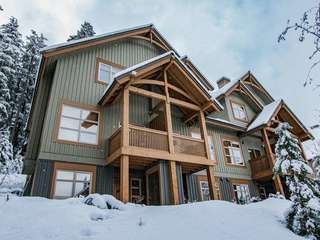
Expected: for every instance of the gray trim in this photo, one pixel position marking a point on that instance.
(180, 183)
(166, 193)
(226, 190)
(104, 179)
(42, 178)
(192, 188)
(253, 189)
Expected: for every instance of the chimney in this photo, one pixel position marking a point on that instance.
(223, 81)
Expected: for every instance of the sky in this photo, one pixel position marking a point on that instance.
(223, 38)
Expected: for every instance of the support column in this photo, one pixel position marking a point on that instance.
(172, 164)
(212, 183)
(124, 178)
(174, 182)
(277, 180)
(124, 159)
(204, 133)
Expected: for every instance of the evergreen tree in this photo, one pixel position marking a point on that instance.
(30, 62)
(85, 31)
(303, 218)
(7, 70)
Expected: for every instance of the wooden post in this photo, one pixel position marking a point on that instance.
(124, 178)
(172, 164)
(277, 180)
(125, 118)
(204, 133)
(124, 159)
(212, 183)
(174, 182)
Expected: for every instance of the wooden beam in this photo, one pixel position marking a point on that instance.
(146, 93)
(271, 159)
(113, 90)
(124, 178)
(204, 133)
(185, 104)
(156, 108)
(153, 41)
(174, 182)
(178, 90)
(149, 82)
(212, 183)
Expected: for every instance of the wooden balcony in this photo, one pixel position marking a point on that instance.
(260, 167)
(151, 143)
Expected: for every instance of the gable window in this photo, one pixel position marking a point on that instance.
(72, 183)
(79, 125)
(239, 111)
(232, 152)
(106, 71)
(241, 193)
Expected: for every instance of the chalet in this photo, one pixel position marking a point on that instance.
(124, 114)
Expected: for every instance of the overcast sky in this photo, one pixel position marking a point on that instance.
(222, 39)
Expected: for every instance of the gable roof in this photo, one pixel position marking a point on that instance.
(102, 38)
(171, 54)
(270, 111)
(265, 115)
(228, 88)
(199, 74)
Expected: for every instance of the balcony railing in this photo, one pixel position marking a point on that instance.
(148, 138)
(188, 145)
(260, 166)
(157, 140)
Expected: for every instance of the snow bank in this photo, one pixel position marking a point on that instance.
(104, 201)
(39, 218)
(13, 183)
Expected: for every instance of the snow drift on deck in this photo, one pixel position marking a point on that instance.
(39, 218)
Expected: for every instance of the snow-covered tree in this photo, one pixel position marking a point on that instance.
(10, 70)
(30, 63)
(86, 30)
(303, 218)
(316, 166)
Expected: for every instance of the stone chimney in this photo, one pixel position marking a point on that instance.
(223, 81)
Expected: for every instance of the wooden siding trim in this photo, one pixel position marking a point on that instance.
(108, 62)
(230, 138)
(244, 107)
(72, 167)
(82, 106)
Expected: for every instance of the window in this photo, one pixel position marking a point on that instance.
(195, 133)
(239, 111)
(232, 152)
(79, 125)
(136, 190)
(241, 193)
(106, 72)
(254, 153)
(204, 187)
(72, 183)
(211, 146)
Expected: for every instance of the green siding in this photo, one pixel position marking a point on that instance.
(221, 169)
(74, 80)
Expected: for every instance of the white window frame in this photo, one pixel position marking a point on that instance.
(237, 113)
(232, 148)
(73, 181)
(79, 130)
(112, 70)
(244, 192)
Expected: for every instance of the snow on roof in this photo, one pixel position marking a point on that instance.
(72, 42)
(224, 121)
(265, 115)
(109, 34)
(220, 91)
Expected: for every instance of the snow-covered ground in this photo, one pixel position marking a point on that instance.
(39, 218)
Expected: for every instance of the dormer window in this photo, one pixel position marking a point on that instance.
(239, 111)
(106, 70)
